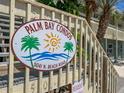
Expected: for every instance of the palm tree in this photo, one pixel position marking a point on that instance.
(71, 6)
(107, 7)
(48, 2)
(90, 9)
(68, 47)
(28, 43)
(116, 17)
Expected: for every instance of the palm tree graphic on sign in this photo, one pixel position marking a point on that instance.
(28, 43)
(68, 47)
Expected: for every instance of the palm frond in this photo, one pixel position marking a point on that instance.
(35, 47)
(113, 2)
(29, 42)
(68, 46)
(100, 3)
(27, 48)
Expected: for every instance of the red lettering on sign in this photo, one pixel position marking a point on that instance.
(49, 25)
(64, 30)
(34, 27)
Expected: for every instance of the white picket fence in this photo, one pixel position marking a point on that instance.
(90, 63)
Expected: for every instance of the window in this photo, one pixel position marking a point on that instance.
(110, 49)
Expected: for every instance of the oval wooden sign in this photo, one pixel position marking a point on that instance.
(43, 44)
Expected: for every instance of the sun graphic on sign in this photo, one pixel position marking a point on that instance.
(52, 42)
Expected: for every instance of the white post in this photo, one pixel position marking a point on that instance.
(27, 71)
(51, 72)
(11, 59)
(68, 65)
(60, 70)
(101, 65)
(106, 45)
(90, 61)
(123, 50)
(75, 57)
(94, 70)
(40, 80)
(81, 46)
(116, 56)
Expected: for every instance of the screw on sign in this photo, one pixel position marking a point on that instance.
(43, 45)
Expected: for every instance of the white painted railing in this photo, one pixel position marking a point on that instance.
(90, 63)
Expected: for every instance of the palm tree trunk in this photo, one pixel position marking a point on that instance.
(68, 55)
(88, 13)
(104, 75)
(90, 9)
(103, 24)
(31, 58)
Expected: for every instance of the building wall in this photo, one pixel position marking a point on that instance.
(110, 46)
(111, 33)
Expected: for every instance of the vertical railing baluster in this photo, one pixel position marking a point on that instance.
(68, 65)
(51, 72)
(114, 86)
(75, 57)
(60, 70)
(94, 67)
(98, 67)
(112, 80)
(27, 71)
(85, 55)
(107, 76)
(11, 56)
(116, 83)
(40, 81)
(81, 49)
(110, 87)
(101, 70)
(90, 60)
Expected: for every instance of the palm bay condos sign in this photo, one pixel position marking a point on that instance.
(43, 45)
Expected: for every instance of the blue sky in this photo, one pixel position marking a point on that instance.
(120, 5)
